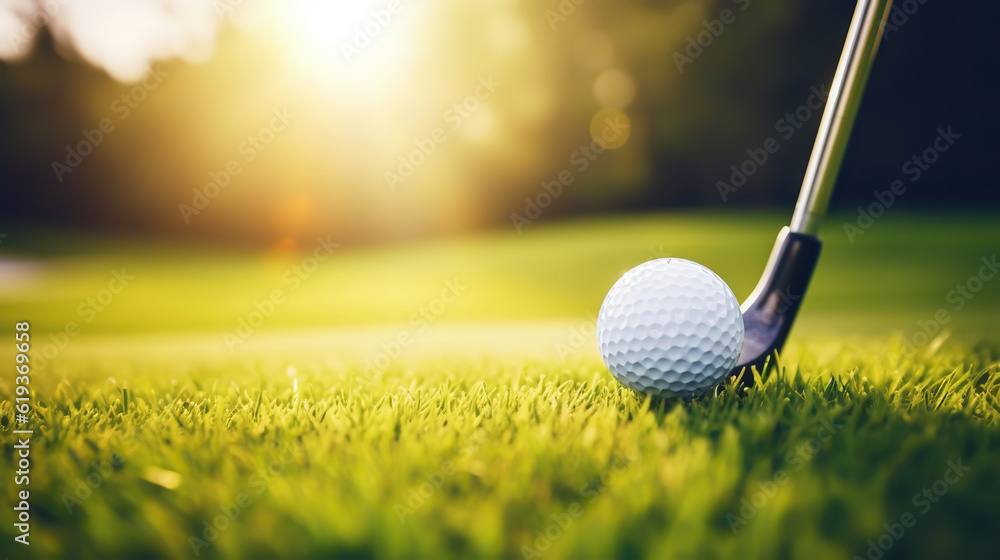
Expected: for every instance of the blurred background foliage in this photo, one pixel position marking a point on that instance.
(354, 119)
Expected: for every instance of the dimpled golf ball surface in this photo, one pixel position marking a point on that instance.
(670, 328)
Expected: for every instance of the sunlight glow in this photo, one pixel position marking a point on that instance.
(353, 43)
(326, 24)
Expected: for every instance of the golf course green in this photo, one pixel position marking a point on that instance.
(445, 398)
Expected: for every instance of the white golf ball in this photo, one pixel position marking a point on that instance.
(670, 328)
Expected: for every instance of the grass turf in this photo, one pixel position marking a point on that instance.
(520, 444)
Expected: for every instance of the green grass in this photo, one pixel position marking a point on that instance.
(508, 430)
(897, 273)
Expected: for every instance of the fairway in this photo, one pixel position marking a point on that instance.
(445, 399)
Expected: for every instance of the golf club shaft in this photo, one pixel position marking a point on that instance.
(838, 118)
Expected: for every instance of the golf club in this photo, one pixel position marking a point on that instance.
(769, 311)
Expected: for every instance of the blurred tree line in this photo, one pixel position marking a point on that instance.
(713, 81)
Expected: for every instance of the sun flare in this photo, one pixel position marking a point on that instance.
(355, 41)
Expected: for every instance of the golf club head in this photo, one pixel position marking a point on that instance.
(768, 313)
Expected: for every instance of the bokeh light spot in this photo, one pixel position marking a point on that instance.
(610, 128)
(294, 216)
